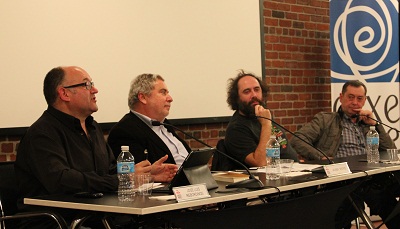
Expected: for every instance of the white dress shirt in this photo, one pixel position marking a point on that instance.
(176, 147)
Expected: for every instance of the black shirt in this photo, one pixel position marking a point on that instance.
(55, 156)
(243, 135)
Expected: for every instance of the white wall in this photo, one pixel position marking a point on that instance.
(195, 45)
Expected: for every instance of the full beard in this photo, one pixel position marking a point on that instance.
(248, 108)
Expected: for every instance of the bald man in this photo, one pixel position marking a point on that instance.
(64, 151)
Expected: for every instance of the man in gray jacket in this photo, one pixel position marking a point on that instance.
(342, 134)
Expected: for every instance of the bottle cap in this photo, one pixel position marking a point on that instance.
(125, 148)
(372, 127)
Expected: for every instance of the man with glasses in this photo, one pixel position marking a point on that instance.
(342, 134)
(64, 151)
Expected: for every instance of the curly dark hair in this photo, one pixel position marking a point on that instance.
(233, 90)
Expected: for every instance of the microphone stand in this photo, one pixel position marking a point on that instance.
(251, 183)
(359, 209)
(320, 151)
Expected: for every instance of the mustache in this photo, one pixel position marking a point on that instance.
(256, 100)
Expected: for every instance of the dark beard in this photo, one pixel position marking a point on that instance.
(247, 109)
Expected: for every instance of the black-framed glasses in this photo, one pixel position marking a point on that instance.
(88, 85)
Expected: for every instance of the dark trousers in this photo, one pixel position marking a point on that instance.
(379, 193)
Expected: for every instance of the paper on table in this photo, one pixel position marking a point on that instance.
(156, 185)
(167, 197)
(147, 186)
(257, 169)
(297, 167)
(301, 169)
(295, 174)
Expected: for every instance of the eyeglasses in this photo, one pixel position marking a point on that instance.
(87, 84)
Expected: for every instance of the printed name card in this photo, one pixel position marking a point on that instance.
(337, 169)
(190, 192)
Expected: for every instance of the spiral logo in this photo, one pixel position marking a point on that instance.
(365, 40)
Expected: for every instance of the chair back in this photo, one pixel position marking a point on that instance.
(220, 162)
(8, 203)
(8, 188)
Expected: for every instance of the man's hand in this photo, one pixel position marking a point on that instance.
(258, 158)
(261, 111)
(143, 167)
(163, 172)
(365, 116)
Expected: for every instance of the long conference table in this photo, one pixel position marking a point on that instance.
(143, 206)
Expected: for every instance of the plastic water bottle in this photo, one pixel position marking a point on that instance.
(273, 153)
(126, 172)
(372, 145)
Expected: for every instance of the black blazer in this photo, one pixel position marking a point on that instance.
(136, 134)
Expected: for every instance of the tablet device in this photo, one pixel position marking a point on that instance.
(194, 170)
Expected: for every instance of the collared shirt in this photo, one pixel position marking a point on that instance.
(56, 156)
(176, 147)
(353, 139)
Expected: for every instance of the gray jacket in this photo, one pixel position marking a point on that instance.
(325, 131)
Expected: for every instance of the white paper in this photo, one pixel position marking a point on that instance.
(166, 197)
(297, 167)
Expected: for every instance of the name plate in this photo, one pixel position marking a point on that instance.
(190, 192)
(337, 169)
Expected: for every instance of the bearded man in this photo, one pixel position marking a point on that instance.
(247, 134)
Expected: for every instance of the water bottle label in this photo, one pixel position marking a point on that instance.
(373, 140)
(273, 152)
(125, 167)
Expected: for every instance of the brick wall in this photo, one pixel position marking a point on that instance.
(297, 60)
(8, 144)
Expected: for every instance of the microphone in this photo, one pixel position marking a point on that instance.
(377, 121)
(251, 183)
(349, 197)
(320, 151)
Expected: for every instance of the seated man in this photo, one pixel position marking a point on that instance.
(64, 151)
(247, 136)
(342, 134)
(148, 100)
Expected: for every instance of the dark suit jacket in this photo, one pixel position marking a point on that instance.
(136, 134)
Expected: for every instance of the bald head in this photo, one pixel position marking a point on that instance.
(70, 89)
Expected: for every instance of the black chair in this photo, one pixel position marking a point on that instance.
(9, 216)
(312, 211)
(220, 162)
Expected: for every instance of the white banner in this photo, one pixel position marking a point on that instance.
(365, 47)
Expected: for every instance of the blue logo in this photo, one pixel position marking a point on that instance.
(364, 40)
